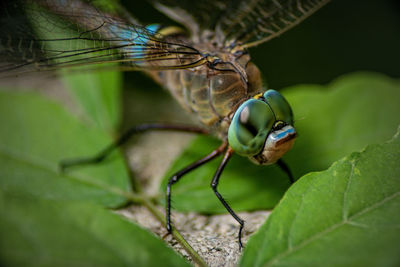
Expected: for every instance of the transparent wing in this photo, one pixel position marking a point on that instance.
(197, 16)
(51, 34)
(253, 22)
(246, 22)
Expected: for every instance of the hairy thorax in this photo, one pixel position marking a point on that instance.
(213, 91)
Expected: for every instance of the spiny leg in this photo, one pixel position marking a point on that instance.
(284, 167)
(177, 176)
(125, 137)
(214, 185)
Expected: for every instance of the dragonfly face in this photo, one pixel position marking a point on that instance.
(262, 128)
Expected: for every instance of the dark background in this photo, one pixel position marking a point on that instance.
(344, 36)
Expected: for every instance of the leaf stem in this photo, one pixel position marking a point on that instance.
(161, 218)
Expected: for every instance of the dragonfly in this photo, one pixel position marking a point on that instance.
(206, 66)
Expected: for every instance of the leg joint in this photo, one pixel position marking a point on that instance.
(214, 186)
(173, 180)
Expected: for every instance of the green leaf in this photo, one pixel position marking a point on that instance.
(53, 219)
(356, 110)
(42, 232)
(36, 135)
(347, 215)
(99, 95)
(332, 121)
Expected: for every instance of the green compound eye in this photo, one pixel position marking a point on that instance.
(280, 106)
(250, 126)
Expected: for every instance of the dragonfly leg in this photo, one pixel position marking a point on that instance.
(284, 167)
(177, 176)
(214, 185)
(125, 137)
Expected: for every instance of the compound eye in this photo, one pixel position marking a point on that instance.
(250, 126)
(280, 106)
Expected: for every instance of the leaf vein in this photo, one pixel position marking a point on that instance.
(345, 193)
(330, 229)
(47, 166)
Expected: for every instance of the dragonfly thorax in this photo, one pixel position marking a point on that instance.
(213, 91)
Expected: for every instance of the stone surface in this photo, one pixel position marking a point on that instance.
(214, 238)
